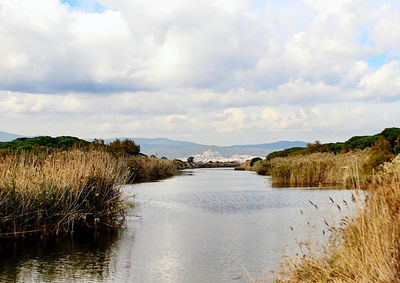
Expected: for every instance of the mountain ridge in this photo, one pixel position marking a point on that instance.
(172, 149)
(5, 136)
(164, 147)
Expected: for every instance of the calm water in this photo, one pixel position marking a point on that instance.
(206, 225)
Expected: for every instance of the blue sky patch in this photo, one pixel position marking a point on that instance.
(89, 6)
(375, 62)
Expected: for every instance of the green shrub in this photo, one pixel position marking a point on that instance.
(43, 142)
(361, 142)
(254, 160)
(381, 152)
(120, 148)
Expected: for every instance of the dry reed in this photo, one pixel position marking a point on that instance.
(60, 192)
(317, 169)
(365, 248)
(145, 169)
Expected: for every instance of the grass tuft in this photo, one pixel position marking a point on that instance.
(60, 192)
(365, 248)
(316, 169)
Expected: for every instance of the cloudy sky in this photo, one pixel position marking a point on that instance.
(209, 71)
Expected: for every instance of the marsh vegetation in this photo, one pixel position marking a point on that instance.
(363, 248)
(60, 192)
(346, 165)
(61, 185)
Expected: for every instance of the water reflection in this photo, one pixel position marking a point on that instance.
(201, 226)
(69, 259)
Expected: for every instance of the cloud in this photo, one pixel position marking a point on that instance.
(219, 45)
(231, 69)
(384, 83)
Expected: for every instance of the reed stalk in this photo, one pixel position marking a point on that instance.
(60, 192)
(365, 248)
(316, 169)
(146, 169)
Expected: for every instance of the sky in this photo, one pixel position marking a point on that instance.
(209, 71)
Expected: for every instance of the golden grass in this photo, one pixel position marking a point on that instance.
(317, 169)
(365, 248)
(246, 165)
(145, 169)
(60, 192)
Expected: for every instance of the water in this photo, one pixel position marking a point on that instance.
(207, 225)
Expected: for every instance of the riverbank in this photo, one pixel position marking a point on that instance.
(181, 165)
(317, 169)
(365, 248)
(345, 165)
(149, 169)
(59, 192)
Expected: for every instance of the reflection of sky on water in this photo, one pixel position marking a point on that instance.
(199, 227)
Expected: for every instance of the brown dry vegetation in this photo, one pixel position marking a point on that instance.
(365, 248)
(251, 166)
(145, 169)
(316, 169)
(60, 192)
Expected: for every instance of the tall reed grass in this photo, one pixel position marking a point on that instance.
(60, 192)
(365, 248)
(316, 169)
(146, 169)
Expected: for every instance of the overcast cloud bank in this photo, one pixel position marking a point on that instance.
(209, 71)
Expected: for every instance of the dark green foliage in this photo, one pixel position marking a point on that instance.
(335, 147)
(117, 148)
(360, 142)
(190, 159)
(254, 160)
(391, 135)
(43, 142)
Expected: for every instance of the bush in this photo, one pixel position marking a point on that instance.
(254, 160)
(43, 143)
(316, 147)
(361, 142)
(380, 153)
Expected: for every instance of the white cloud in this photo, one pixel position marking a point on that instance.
(181, 68)
(384, 83)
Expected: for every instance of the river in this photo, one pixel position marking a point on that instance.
(206, 225)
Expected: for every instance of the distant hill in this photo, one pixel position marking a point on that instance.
(4, 136)
(181, 149)
(163, 147)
